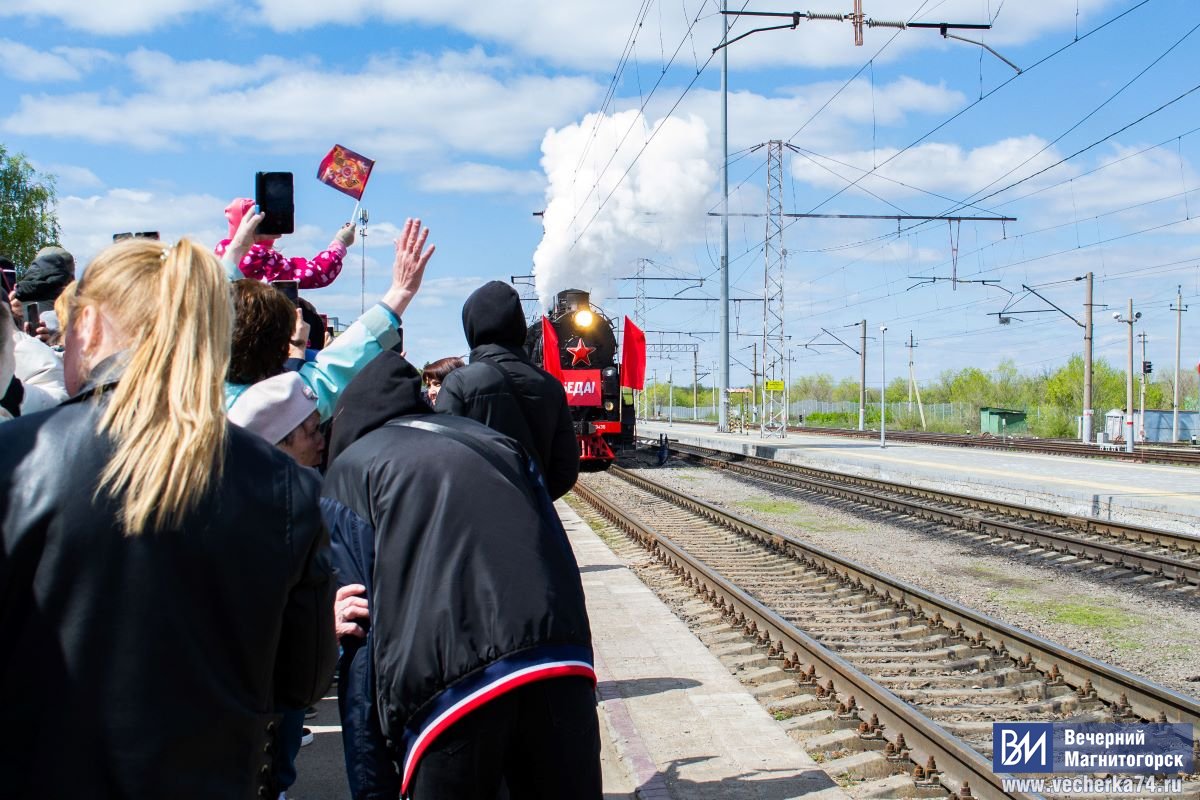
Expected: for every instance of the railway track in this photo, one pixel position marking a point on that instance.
(1162, 560)
(908, 682)
(1178, 454)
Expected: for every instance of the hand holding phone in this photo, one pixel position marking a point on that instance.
(274, 194)
(32, 319)
(290, 289)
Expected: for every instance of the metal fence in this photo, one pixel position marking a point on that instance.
(805, 408)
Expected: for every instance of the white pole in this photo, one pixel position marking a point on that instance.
(1129, 386)
(1142, 402)
(1178, 332)
(723, 415)
(883, 388)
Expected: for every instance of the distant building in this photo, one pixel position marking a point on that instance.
(1155, 428)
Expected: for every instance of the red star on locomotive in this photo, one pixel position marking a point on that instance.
(581, 352)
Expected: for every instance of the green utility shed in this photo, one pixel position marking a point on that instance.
(1001, 420)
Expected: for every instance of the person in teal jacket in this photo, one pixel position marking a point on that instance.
(264, 326)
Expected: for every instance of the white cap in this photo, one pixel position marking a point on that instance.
(275, 407)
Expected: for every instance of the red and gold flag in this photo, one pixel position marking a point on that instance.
(346, 171)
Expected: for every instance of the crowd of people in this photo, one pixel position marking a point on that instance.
(212, 509)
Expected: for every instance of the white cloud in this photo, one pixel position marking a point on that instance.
(1128, 178)
(163, 75)
(935, 166)
(602, 213)
(592, 33)
(71, 177)
(757, 118)
(475, 178)
(24, 63)
(88, 223)
(398, 112)
(114, 17)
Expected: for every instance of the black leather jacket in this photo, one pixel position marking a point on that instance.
(150, 666)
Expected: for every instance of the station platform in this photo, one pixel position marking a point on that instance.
(677, 724)
(674, 723)
(1154, 495)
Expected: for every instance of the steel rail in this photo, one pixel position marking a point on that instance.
(1124, 690)
(958, 762)
(1180, 454)
(874, 492)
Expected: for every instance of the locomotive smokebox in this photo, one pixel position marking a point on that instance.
(569, 300)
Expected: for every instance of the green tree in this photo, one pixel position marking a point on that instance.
(27, 214)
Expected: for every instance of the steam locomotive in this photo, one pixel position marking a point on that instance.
(587, 358)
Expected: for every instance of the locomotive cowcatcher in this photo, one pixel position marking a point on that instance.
(586, 343)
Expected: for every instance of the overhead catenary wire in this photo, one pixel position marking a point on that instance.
(987, 95)
(633, 124)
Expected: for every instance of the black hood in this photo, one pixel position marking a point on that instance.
(386, 388)
(47, 276)
(493, 315)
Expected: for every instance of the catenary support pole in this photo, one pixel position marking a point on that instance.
(862, 379)
(723, 415)
(1142, 401)
(1088, 411)
(1129, 386)
(695, 384)
(1179, 309)
(883, 387)
(911, 345)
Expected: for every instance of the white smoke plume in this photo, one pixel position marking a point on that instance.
(598, 225)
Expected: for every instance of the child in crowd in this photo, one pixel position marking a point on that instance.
(263, 262)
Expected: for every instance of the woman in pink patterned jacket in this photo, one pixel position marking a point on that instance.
(263, 262)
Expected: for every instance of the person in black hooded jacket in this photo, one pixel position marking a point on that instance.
(51, 271)
(467, 661)
(503, 389)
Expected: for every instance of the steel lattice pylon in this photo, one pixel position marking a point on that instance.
(775, 412)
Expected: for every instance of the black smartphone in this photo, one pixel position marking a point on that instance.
(32, 318)
(119, 237)
(290, 289)
(8, 279)
(273, 192)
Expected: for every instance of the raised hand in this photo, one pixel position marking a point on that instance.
(408, 269)
(244, 238)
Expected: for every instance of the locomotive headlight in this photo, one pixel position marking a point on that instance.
(608, 405)
(584, 318)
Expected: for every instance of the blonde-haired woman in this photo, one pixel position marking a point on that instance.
(164, 576)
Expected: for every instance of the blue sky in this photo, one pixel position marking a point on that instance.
(154, 114)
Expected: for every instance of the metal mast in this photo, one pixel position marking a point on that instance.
(774, 416)
(639, 312)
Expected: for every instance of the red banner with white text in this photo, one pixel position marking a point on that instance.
(583, 387)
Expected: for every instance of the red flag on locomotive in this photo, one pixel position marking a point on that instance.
(633, 357)
(346, 171)
(551, 359)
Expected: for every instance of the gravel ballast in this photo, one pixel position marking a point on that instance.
(1128, 626)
